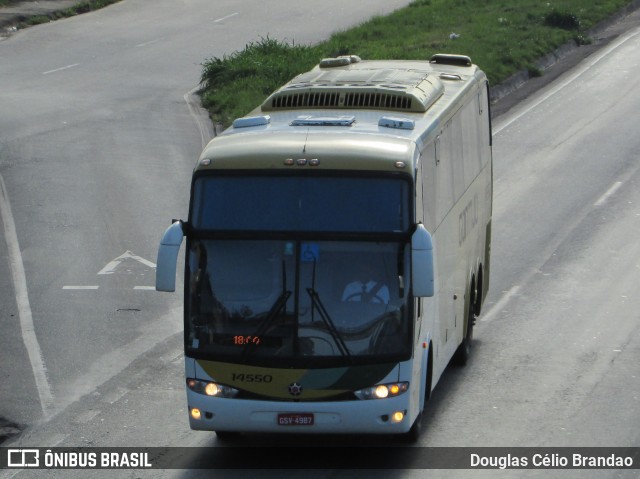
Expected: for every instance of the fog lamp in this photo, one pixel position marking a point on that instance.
(397, 416)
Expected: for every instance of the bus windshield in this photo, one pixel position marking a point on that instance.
(299, 302)
(353, 204)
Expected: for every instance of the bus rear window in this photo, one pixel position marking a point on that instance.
(295, 203)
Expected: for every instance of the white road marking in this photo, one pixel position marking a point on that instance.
(225, 18)
(81, 287)
(150, 42)
(19, 280)
(112, 265)
(60, 69)
(145, 288)
(608, 194)
(499, 306)
(203, 125)
(602, 55)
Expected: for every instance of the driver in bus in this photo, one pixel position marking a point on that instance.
(368, 287)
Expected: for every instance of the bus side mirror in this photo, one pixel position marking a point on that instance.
(422, 262)
(168, 257)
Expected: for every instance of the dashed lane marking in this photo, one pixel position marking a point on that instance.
(55, 70)
(225, 18)
(608, 194)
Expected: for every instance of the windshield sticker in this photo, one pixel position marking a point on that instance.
(310, 252)
(289, 248)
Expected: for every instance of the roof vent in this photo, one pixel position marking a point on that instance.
(450, 77)
(323, 121)
(454, 60)
(341, 61)
(397, 123)
(250, 121)
(362, 88)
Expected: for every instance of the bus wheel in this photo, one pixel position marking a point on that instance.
(413, 435)
(429, 379)
(463, 352)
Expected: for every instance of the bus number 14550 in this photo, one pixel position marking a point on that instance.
(252, 378)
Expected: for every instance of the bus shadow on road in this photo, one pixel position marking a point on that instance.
(308, 454)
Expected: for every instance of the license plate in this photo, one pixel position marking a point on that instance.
(295, 419)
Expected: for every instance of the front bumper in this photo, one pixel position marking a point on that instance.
(358, 416)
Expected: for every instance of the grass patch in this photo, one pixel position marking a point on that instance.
(247, 77)
(501, 36)
(564, 20)
(82, 7)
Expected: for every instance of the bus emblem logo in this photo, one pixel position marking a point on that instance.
(295, 389)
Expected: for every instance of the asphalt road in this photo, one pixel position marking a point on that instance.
(556, 351)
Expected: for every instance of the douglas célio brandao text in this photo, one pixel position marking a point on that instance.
(550, 461)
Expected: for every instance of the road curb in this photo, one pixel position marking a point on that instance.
(12, 16)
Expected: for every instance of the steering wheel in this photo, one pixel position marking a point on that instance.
(360, 296)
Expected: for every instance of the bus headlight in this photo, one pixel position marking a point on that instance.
(382, 391)
(209, 388)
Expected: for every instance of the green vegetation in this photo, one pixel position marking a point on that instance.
(82, 7)
(501, 36)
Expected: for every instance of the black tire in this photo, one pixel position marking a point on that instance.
(427, 389)
(413, 435)
(463, 353)
(477, 304)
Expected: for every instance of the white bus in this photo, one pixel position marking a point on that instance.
(337, 249)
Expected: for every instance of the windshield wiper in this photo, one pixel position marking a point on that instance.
(331, 327)
(278, 305)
